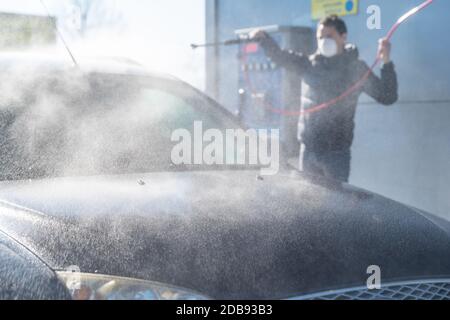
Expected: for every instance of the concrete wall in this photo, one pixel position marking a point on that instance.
(403, 151)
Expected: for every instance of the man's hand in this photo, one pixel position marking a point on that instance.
(384, 50)
(257, 35)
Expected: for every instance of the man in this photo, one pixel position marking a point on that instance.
(327, 135)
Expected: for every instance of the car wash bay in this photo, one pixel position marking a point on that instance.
(401, 151)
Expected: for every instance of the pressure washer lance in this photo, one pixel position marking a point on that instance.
(224, 43)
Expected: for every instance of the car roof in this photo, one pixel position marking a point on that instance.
(85, 64)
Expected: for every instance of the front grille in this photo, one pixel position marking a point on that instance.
(414, 290)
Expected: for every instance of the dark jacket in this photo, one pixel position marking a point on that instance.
(324, 79)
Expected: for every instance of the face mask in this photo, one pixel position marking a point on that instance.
(328, 47)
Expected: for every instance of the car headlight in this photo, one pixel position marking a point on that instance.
(83, 286)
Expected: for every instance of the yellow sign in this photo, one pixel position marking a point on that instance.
(323, 8)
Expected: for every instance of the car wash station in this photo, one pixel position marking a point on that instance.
(400, 151)
(202, 150)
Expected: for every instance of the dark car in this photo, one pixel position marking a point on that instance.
(91, 206)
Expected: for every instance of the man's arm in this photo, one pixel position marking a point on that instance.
(284, 58)
(385, 89)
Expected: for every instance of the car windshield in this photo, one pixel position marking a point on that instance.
(73, 124)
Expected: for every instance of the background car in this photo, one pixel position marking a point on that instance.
(91, 206)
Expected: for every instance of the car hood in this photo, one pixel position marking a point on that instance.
(227, 234)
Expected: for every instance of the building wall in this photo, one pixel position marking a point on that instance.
(22, 31)
(402, 151)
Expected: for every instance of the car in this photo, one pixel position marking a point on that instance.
(92, 208)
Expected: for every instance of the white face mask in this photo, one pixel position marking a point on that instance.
(328, 47)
